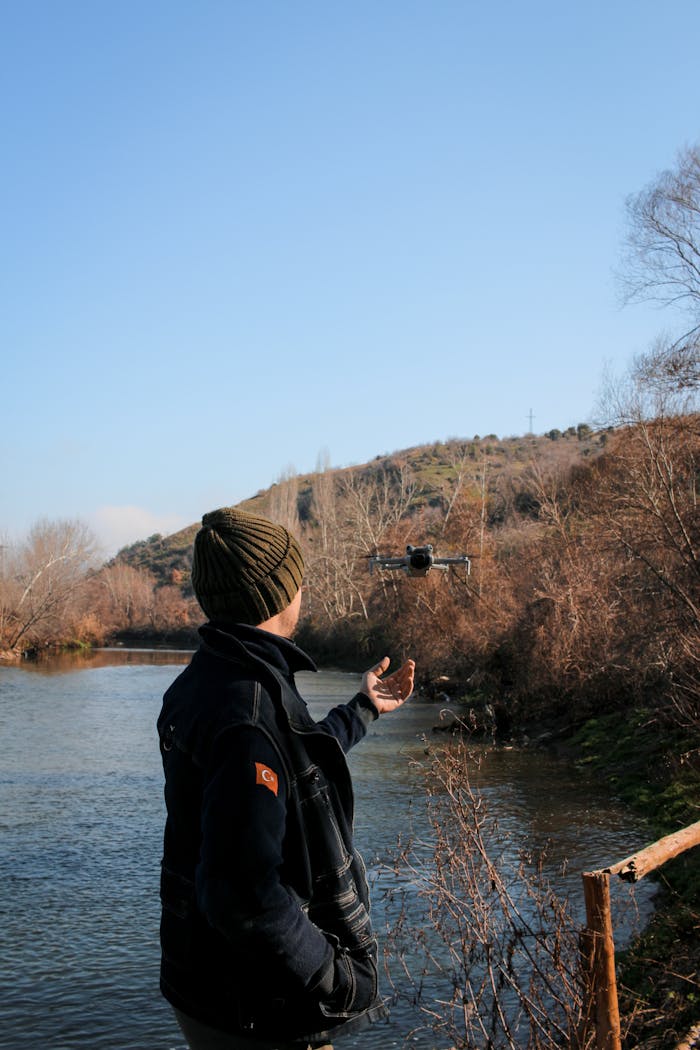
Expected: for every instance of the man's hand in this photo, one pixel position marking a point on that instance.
(388, 693)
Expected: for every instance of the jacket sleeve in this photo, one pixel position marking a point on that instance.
(238, 884)
(349, 723)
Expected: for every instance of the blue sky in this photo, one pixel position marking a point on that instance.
(235, 235)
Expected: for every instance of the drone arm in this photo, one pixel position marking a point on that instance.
(387, 563)
(456, 559)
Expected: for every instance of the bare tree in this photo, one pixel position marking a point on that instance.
(374, 505)
(651, 498)
(662, 264)
(670, 370)
(663, 240)
(332, 559)
(125, 596)
(172, 611)
(283, 501)
(460, 459)
(8, 588)
(41, 579)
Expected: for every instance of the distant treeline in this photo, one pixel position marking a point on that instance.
(584, 582)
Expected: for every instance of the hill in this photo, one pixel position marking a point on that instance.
(498, 464)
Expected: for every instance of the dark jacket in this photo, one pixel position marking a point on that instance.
(265, 925)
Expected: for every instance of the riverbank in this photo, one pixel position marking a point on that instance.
(655, 773)
(651, 765)
(185, 638)
(650, 762)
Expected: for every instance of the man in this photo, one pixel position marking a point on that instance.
(266, 936)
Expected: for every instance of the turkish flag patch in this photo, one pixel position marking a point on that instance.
(268, 777)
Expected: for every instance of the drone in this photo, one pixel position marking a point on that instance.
(418, 561)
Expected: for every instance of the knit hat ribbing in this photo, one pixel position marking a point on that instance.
(245, 569)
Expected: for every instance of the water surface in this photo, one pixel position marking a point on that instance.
(81, 816)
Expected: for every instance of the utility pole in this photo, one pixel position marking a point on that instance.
(483, 522)
(530, 417)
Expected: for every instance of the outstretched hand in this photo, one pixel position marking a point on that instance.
(388, 693)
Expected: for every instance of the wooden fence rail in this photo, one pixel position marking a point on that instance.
(597, 944)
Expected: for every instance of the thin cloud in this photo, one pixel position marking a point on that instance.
(116, 527)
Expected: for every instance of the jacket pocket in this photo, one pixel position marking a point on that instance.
(338, 910)
(355, 985)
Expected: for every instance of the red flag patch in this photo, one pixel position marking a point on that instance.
(268, 777)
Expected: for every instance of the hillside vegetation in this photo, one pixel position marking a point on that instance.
(432, 474)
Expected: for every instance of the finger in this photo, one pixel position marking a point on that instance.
(381, 667)
(406, 680)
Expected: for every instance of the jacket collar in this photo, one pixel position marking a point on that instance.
(280, 653)
(278, 657)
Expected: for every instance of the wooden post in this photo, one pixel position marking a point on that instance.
(599, 962)
(597, 946)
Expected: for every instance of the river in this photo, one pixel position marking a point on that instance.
(81, 816)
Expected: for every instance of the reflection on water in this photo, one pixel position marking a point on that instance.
(81, 817)
(78, 659)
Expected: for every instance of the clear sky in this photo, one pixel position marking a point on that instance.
(236, 234)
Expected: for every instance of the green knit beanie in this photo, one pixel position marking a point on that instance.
(245, 569)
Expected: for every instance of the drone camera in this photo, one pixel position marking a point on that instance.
(420, 559)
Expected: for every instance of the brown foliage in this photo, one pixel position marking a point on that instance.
(122, 598)
(50, 593)
(586, 589)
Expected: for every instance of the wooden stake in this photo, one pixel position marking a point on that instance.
(599, 962)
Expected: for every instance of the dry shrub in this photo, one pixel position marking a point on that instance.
(495, 965)
(89, 629)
